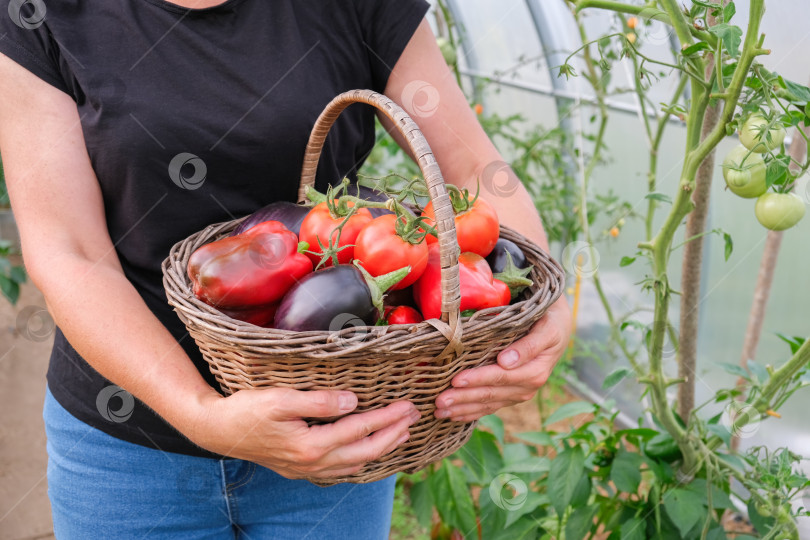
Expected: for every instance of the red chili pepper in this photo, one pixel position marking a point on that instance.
(252, 269)
(479, 290)
(402, 315)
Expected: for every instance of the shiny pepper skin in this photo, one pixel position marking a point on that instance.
(255, 268)
(479, 290)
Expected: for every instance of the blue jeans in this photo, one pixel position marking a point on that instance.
(103, 487)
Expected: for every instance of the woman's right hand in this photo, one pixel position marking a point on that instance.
(266, 426)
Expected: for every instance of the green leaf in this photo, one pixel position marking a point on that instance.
(580, 522)
(450, 491)
(682, 508)
(695, 48)
(564, 476)
(615, 377)
(422, 503)
(627, 261)
(729, 11)
(731, 37)
(720, 498)
(658, 197)
(482, 456)
(800, 91)
(10, 289)
(633, 529)
(538, 438)
(795, 342)
(762, 524)
(735, 369)
(758, 371)
(535, 465)
(625, 472)
(777, 169)
(493, 424)
(717, 533)
(531, 502)
(729, 245)
(582, 491)
(568, 410)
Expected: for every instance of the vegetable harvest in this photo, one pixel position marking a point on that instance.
(335, 271)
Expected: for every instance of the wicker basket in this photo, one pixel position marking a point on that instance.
(381, 364)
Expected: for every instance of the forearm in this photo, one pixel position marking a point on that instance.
(108, 323)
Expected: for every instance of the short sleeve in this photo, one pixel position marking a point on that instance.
(26, 39)
(387, 27)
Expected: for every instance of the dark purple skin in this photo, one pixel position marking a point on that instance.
(290, 214)
(330, 299)
(497, 258)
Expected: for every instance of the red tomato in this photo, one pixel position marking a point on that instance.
(319, 224)
(402, 315)
(381, 250)
(477, 229)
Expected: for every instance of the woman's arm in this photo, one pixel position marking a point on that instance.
(467, 156)
(69, 255)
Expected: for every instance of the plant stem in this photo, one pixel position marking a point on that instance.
(652, 174)
(451, 28)
(693, 252)
(661, 243)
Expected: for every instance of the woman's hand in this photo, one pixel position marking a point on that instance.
(266, 427)
(522, 368)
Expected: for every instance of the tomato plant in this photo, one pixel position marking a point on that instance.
(759, 135)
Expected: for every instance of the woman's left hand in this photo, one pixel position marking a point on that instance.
(522, 368)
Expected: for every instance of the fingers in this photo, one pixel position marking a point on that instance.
(359, 426)
(472, 410)
(530, 375)
(382, 442)
(312, 404)
(453, 398)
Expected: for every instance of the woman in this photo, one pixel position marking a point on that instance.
(128, 125)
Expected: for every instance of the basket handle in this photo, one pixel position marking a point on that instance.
(443, 209)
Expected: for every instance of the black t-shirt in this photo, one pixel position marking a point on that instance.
(193, 117)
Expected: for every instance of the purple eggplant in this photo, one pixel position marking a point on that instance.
(335, 298)
(290, 214)
(497, 259)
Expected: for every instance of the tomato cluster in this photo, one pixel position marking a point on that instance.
(329, 266)
(757, 165)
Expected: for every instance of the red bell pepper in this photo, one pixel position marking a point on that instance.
(479, 290)
(248, 270)
(259, 315)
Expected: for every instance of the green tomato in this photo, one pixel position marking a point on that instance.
(448, 52)
(744, 172)
(754, 138)
(779, 211)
